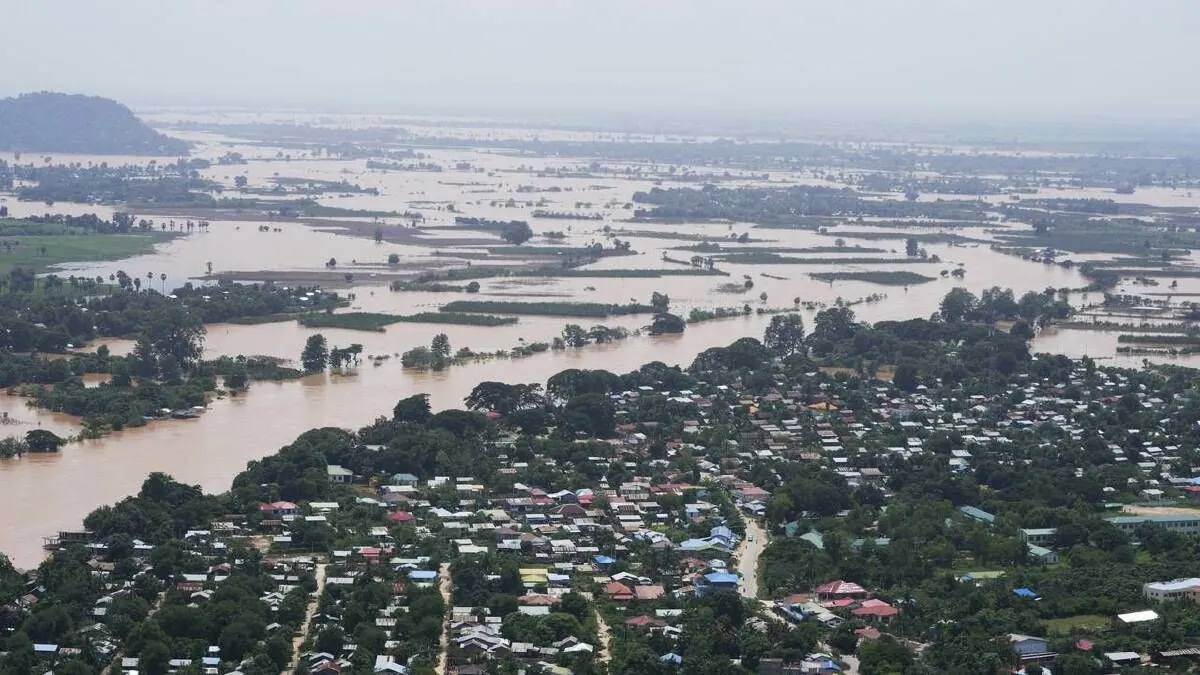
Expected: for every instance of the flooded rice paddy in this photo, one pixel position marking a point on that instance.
(41, 494)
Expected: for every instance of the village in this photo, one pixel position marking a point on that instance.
(742, 518)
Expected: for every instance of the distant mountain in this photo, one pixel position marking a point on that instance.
(50, 122)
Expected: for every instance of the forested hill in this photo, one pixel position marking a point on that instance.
(51, 122)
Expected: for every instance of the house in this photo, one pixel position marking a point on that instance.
(839, 590)
(1189, 525)
(278, 509)
(1124, 658)
(423, 577)
(648, 592)
(1134, 618)
(1029, 648)
(714, 582)
(337, 474)
(1040, 536)
(1041, 555)
(978, 515)
(385, 664)
(875, 609)
(1173, 591)
(618, 591)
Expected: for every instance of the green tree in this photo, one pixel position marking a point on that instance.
(905, 377)
(666, 323)
(315, 354)
(957, 305)
(660, 301)
(883, 656)
(911, 248)
(785, 334)
(415, 409)
(176, 332)
(41, 440)
(440, 347)
(516, 233)
(574, 335)
(154, 658)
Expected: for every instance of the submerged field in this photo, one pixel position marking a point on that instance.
(41, 252)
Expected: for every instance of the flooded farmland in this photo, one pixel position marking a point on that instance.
(493, 185)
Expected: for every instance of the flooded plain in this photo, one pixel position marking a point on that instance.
(41, 494)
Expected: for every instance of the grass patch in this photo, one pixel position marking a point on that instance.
(266, 318)
(572, 309)
(460, 318)
(775, 259)
(1087, 623)
(567, 251)
(488, 272)
(372, 321)
(39, 252)
(883, 278)
(738, 249)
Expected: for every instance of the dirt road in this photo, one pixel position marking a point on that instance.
(298, 641)
(748, 552)
(604, 633)
(444, 642)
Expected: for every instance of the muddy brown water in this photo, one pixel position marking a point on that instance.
(42, 494)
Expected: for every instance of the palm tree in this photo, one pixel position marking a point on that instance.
(208, 265)
(163, 277)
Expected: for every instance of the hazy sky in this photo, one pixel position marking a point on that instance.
(1051, 58)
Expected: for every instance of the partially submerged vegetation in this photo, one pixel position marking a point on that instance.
(885, 278)
(578, 309)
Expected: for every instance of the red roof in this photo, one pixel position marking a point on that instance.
(648, 592)
(868, 633)
(401, 517)
(643, 620)
(616, 588)
(1084, 645)
(538, 599)
(840, 588)
(875, 608)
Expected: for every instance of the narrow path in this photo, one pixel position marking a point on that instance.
(116, 659)
(298, 641)
(749, 551)
(444, 642)
(604, 634)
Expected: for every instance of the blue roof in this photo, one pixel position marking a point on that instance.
(422, 575)
(671, 657)
(1024, 593)
(603, 560)
(721, 578)
(721, 531)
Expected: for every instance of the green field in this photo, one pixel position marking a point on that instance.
(884, 278)
(372, 321)
(1088, 623)
(27, 251)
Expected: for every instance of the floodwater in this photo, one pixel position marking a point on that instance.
(40, 495)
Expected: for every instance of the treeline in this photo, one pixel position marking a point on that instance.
(49, 314)
(789, 205)
(575, 309)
